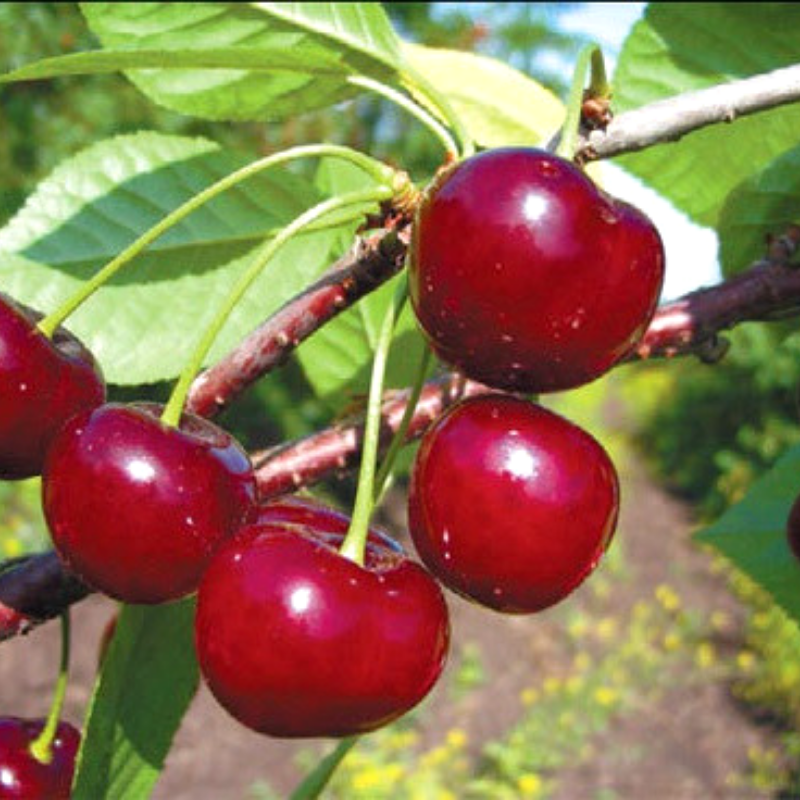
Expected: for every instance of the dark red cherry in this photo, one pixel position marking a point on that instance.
(511, 505)
(135, 507)
(295, 640)
(793, 528)
(325, 523)
(526, 276)
(22, 775)
(43, 382)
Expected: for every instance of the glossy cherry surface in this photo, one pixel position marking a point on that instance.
(526, 276)
(295, 640)
(22, 776)
(321, 521)
(793, 528)
(511, 505)
(136, 508)
(43, 382)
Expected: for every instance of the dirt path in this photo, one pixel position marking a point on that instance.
(681, 738)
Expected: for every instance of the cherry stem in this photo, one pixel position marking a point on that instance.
(355, 542)
(174, 408)
(441, 105)
(317, 780)
(42, 747)
(590, 57)
(416, 110)
(383, 479)
(382, 174)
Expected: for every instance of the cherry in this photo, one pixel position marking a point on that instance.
(135, 507)
(22, 775)
(793, 528)
(323, 522)
(526, 276)
(43, 382)
(511, 505)
(295, 640)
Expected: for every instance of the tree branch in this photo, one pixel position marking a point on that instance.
(669, 120)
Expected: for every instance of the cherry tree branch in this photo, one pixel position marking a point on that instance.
(669, 120)
(37, 588)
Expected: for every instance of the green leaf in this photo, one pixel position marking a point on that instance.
(337, 359)
(148, 679)
(499, 105)
(681, 47)
(100, 61)
(356, 38)
(762, 205)
(752, 534)
(143, 325)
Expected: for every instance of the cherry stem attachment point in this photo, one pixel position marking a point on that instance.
(591, 57)
(413, 108)
(42, 747)
(355, 542)
(174, 408)
(382, 174)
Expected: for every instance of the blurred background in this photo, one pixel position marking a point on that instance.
(667, 675)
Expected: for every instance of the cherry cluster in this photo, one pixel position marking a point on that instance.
(524, 276)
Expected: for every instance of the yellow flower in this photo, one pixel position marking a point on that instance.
(671, 641)
(529, 696)
(529, 784)
(745, 660)
(456, 738)
(551, 685)
(605, 695)
(705, 656)
(668, 597)
(606, 628)
(719, 620)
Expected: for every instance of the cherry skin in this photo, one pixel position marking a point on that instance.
(793, 528)
(136, 508)
(526, 276)
(294, 640)
(323, 522)
(43, 382)
(511, 505)
(22, 775)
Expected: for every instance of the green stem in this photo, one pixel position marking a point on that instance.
(416, 110)
(590, 56)
(355, 542)
(174, 407)
(317, 780)
(42, 747)
(385, 472)
(382, 174)
(439, 101)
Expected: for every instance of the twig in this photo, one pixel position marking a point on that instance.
(669, 120)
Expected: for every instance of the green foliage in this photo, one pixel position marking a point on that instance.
(149, 677)
(710, 430)
(757, 208)
(356, 37)
(101, 200)
(681, 47)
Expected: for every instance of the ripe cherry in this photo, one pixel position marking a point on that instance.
(323, 522)
(793, 528)
(295, 640)
(526, 276)
(511, 505)
(43, 382)
(136, 508)
(22, 775)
